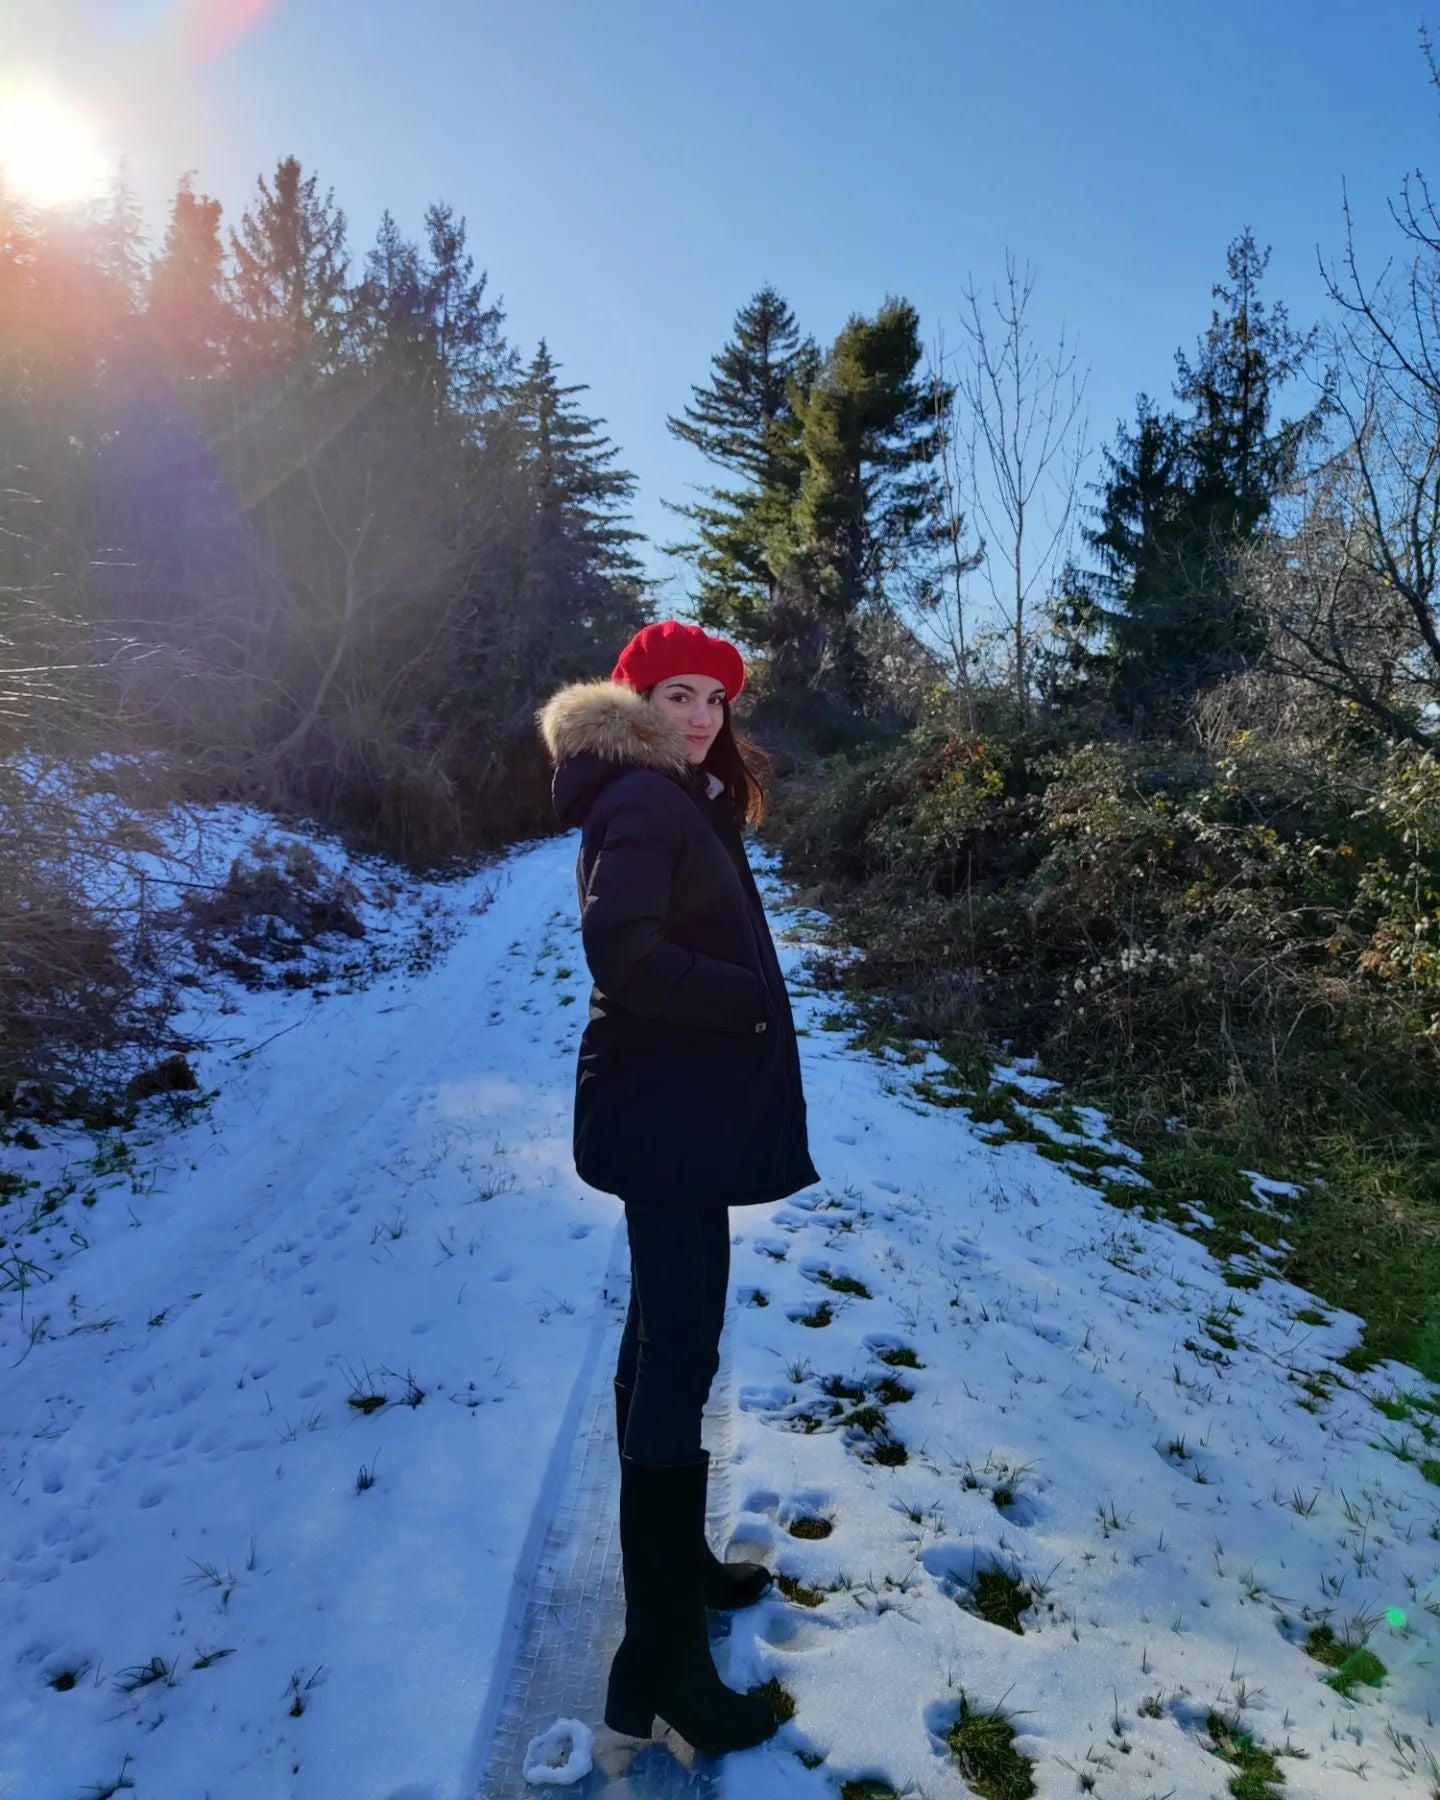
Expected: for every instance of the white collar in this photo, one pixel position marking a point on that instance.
(717, 786)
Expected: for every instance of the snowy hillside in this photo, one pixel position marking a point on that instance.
(291, 1388)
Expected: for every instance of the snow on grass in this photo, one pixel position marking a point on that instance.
(282, 1424)
(1175, 1475)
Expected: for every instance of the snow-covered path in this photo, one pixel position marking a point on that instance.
(216, 1496)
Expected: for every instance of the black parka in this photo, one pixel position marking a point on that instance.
(688, 1088)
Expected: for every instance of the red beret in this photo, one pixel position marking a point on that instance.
(670, 648)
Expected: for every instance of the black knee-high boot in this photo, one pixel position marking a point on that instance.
(726, 1586)
(663, 1665)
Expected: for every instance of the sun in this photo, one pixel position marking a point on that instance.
(49, 154)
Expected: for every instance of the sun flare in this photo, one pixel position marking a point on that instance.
(49, 154)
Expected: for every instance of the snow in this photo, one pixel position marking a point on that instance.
(562, 1755)
(378, 1204)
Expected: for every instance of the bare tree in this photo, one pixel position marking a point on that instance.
(1019, 413)
(1349, 590)
(940, 597)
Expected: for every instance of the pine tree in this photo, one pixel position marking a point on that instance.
(745, 421)
(290, 265)
(190, 321)
(581, 583)
(473, 354)
(1184, 493)
(870, 428)
(119, 235)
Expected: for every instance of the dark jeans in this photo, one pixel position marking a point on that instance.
(670, 1348)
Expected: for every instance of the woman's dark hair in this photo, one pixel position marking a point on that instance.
(737, 762)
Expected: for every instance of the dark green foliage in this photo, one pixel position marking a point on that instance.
(982, 1741)
(1227, 940)
(870, 427)
(1182, 494)
(289, 274)
(1257, 1774)
(745, 423)
(836, 498)
(188, 314)
(1352, 1664)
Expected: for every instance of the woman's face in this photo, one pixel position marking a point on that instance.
(697, 704)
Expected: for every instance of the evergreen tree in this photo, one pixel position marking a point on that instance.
(581, 584)
(190, 321)
(472, 353)
(746, 422)
(119, 235)
(1184, 493)
(870, 428)
(290, 265)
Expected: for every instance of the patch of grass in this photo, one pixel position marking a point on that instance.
(867, 1790)
(1257, 1774)
(808, 1526)
(780, 1699)
(843, 1284)
(140, 1675)
(903, 1358)
(1360, 1668)
(983, 1744)
(890, 1392)
(838, 1388)
(1000, 1598)
(798, 1592)
(890, 1454)
(1351, 1662)
(870, 1419)
(820, 1315)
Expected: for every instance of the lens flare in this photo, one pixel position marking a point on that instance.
(219, 25)
(49, 154)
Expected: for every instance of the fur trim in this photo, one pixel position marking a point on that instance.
(612, 721)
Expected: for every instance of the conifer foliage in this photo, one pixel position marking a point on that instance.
(1184, 493)
(309, 517)
(834, 455)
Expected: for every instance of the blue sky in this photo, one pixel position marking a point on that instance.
(632, 170)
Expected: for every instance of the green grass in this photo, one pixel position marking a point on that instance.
(843, 1284)
(903, 1358)
(1257, 1774)
(869, 1419)
(798, 1592)
(890, 1392)
(780, 1699)
(1000, 1598)
(983, 1744)
(821, 1315)
(1352, 1663)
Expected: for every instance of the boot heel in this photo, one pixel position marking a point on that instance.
(630, 1717)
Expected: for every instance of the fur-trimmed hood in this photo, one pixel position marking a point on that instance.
(595, 729)
(611, 721)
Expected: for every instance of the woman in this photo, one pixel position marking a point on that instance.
(688, 1101)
